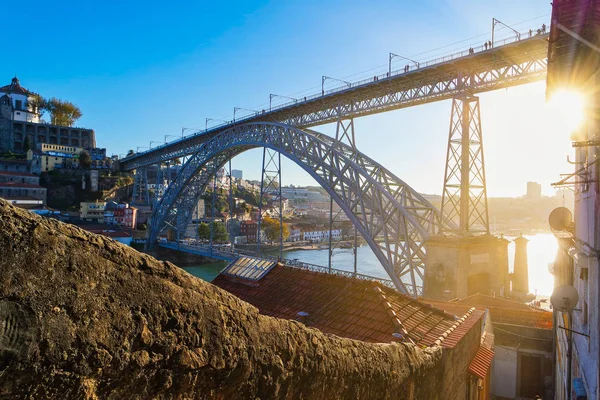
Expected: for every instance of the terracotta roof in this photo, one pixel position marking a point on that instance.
(455, 309)
(463, 326)
(347, 307)
(502, 310)
(20, 185)
(480, 365)
(14, 173)
(489, 301)
(14, 87)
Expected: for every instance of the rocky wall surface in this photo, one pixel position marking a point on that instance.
(82, 316)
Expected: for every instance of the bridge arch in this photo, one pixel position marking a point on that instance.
(393, 218)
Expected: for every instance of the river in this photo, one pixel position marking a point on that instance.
(541, 250)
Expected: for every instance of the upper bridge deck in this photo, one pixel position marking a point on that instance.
(510, 62)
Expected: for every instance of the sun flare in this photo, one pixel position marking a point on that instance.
(566, 108)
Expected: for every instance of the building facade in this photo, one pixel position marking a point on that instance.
(20, 123)
(92, 211)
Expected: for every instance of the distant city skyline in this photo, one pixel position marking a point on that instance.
(150, 70)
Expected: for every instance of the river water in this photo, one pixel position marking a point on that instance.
(541, 250)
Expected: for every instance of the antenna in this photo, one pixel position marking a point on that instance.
(564, 298)
(561, 219)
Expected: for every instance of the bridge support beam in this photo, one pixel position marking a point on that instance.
(337, 223)
(270, 187)
(464, 199)
(140, 187)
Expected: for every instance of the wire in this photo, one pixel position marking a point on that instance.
(521, 336)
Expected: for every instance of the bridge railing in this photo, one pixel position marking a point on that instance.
(426, 64)
(234, 253)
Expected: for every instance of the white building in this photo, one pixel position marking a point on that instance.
(237, 173)
(20, 100)
(321, 235)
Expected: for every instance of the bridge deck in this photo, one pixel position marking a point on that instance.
(510, 62)
(239, 260)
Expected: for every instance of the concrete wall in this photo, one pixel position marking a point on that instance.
(459, 267)
(456, 362)
(504, 372)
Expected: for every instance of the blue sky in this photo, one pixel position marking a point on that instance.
(141, 70)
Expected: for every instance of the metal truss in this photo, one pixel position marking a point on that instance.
(504, 66)
(270, 188)
(378, 203)
(464, 199)
(140, 187)
(344, 133)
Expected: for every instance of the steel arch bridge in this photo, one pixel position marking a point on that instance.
(392, 217)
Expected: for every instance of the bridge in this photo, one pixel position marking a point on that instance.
(378, 203)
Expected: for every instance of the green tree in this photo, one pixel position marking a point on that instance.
(63, 112)
(130, 153)
(85, 160)
(37, 104)
(177, 161)
(220, 233)
(204, 231)
(272, 230)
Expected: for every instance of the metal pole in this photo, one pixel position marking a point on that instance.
(569, 355)
(280, 210)
(212, 222)
(260, 202)
(230, 209)
(355, 249)
(390, 65)
(464, 169)
(330, 231)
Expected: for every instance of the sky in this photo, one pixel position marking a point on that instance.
(140, 70)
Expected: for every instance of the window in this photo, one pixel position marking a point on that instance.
(19, 105)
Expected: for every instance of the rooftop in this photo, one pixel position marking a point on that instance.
(15, 87)
(15, 173)
(353, 308)
(20, 185)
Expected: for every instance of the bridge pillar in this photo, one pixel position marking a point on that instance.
(140, 187)
(337, 222)
(270, 186)
(464, 198)
(470, 261)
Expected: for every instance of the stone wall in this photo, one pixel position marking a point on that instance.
(85, 317)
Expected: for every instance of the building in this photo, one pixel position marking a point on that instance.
(250, 230)
(121, 214)
(21, 187)
(366, 311)
(295, 233)
(20, 122)
(237, 174)
(522, 363)
(54, 156)
(319, 235)
(574, 63)
(92, 211)
(534, 191)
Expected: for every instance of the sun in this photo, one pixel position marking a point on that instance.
(567, 109)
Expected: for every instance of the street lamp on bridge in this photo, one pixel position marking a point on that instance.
(153, 141)
(324, 78)
(496, 21)
(245, 109)
(213, 119)
(392, 55)
(140, 147)
(278, 95)
(189, 129)
(166, 136)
